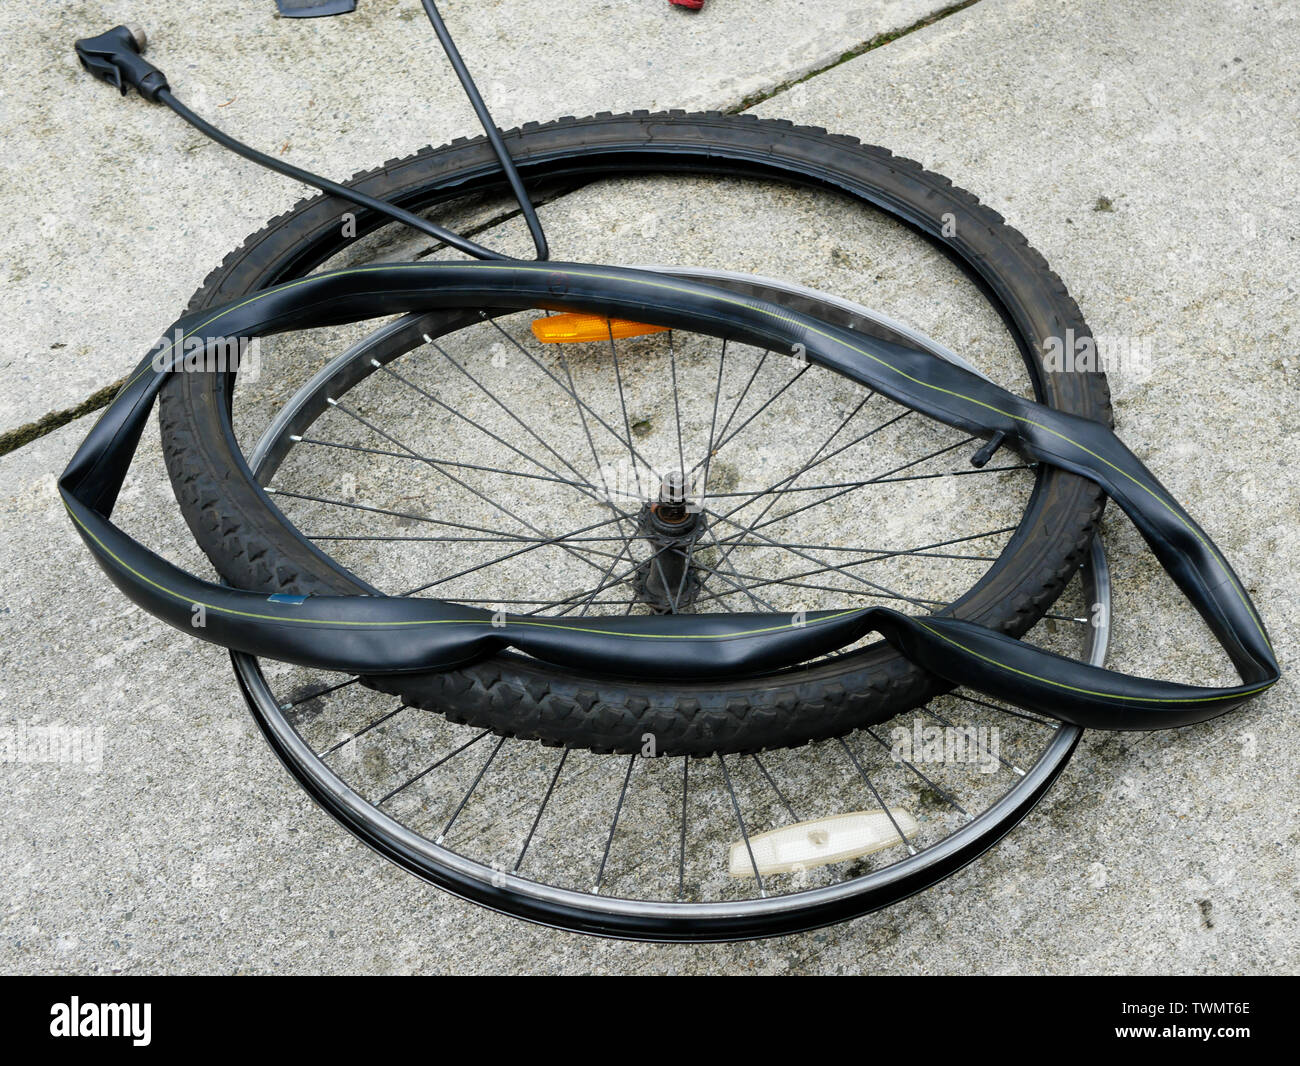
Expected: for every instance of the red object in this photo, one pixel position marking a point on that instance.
(694, 5)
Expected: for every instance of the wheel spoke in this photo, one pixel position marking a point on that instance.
(978, 746)
(838, 568)
(364, 730)
(626, 441)
(499, 403)
(463, 484)
(681, 850)
(1006, 710)
(677, 402)
(730, 576)
(317, 693)
(473, 785)
(740, 821)
(609, 583)
(890, 593)
(429, 769)
(758, 581)
(946, 796)
(765, 405)
(495, 534)
(541, 542)
(713, 445)
(779, 794)
(582, 486)
(412, 456)
(541, 810)
(613, 825)
(808, 465)
(872, 481)
(876, 795)
(708, 454)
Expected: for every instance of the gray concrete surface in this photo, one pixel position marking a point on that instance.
(124, 209)
(1150, 154)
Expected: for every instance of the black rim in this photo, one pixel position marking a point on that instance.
(592, 912)
(570, 914)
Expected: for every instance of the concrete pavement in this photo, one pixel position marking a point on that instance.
(1149, 153)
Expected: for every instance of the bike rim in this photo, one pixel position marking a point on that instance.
(614, 915)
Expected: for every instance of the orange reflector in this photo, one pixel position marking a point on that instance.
(570, 328)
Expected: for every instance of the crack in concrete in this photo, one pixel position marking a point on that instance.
(13, 439)
(870, 45)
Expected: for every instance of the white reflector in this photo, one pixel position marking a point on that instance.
(824, 840)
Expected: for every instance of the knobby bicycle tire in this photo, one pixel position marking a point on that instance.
(248, 542)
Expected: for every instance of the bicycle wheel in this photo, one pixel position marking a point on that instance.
(244, 533)
(645, 848)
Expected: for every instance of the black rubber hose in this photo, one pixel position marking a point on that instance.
(206, 128)
(489, 129)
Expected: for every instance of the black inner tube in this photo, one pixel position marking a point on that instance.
(377, 635)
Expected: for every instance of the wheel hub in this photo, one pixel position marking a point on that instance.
(671, 525)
